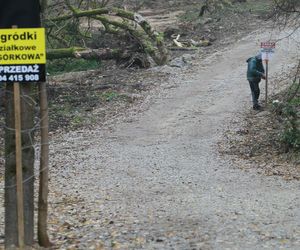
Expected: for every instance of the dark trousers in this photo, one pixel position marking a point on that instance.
(255, 91)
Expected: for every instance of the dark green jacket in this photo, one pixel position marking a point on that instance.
(255, 69)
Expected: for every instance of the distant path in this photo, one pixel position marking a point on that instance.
(162, 19)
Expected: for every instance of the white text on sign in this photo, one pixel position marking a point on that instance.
(20, 73)
(19, 69)
(268, 45)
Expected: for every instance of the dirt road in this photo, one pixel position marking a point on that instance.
(156, 180)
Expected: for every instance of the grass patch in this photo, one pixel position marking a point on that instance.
(255, 7)
(110, 95)
(71, 108)
(60, 66)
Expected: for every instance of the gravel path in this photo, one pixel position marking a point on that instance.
(156, 180)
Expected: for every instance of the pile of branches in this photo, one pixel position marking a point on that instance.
(71, 25)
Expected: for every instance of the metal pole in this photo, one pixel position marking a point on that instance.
(267, 70)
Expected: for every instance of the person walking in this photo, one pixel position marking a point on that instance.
(255, 73)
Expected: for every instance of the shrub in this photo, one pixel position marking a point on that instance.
(291, 133)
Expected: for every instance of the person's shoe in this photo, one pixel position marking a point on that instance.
(257, 107)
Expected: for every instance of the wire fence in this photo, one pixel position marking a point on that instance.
(72, 104)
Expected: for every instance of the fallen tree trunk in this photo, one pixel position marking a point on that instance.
(144, 42)
(88, 54)
(155, 36)
(116, 21)
(125, 57)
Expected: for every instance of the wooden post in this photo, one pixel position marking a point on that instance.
(19, 168)
(267, 72)
(19, 171)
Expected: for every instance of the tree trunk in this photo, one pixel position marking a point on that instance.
(2, 95)
(44, 165)
(27, 124)
(88, 54)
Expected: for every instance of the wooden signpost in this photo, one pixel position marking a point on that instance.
(22, 60)
(22, 65)
(19, 171)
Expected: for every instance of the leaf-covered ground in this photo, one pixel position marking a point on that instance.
(255, 142)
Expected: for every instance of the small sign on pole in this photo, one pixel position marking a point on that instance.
(267, 50)
(22, 55)
(268, 45)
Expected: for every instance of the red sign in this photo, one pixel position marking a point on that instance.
(268, 45)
